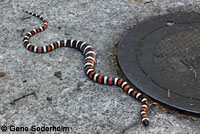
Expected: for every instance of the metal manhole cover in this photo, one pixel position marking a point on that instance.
(161, 57)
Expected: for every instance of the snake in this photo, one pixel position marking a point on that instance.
(89, 64)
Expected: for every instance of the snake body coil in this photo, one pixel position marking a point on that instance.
(89, 64)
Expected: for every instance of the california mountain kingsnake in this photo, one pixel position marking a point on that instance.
(89, 64)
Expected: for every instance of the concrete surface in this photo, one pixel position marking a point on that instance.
(76, 102)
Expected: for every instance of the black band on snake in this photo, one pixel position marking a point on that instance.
(89, 64)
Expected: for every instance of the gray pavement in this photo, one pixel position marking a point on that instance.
(77, 102)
